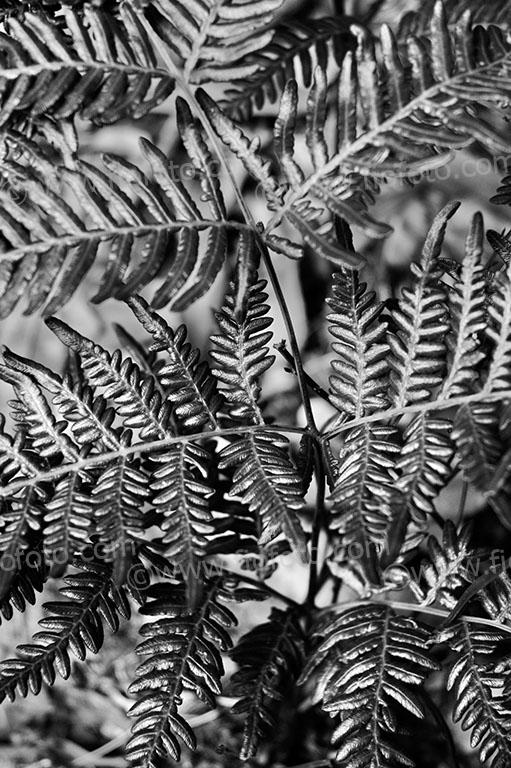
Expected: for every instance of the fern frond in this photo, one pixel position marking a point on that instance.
(88, 417)
(267, 481)
(418, 23)
(270, 658)
(417, 348)
(481, 705)
(293, 45)
(213, 39)
(445, 569)
(424, 464)
(498, 330)
(29, 578)
(183, 654)
(73, 625)
(240, 352)
(134, 392)
(187, 381)
(181, 491)
(103, 69)
(363, 484)
(52, 241)
(358, 383)
(245, 149)
(478, 443)
(496, 598)
(397, 114)
(467, 315)
(503, 195)
(366, 662)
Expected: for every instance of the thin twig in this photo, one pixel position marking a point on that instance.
(313, 385)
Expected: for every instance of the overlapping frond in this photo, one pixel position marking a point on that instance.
(270, 659)
(74, 625)
(263, 474)
(141, 229)
(363, 492)
(397, 114)
(213, 39)
(418, 23)
(183, 650)
(102, 69)
(240, 351)
(186, 379)
(293, 46)
(482, 706)
(368, 664)
(445, 569)
(417, 346)
(424, 464)
(359, 381)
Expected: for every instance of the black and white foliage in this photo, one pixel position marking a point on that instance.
(164, 461)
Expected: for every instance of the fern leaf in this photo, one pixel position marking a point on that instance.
(240, 351)
(46, 70)
(445, 569)
(481, 705)
(188, 382)
(293, 46)
(367, 664)
(424, 464)
(29, 578)
(88, 416)
(417, 348)
(267, 481)
(270, 658)
(399, 134)
(214, 38)
(50, 246)
(22, 511)
(498, 330)
(246, 151)
(183, 653)
(363, 483)
(418, 23)
(478, 443)
(134, 392)
(466, 312)
(180, 493)
(358, 384)
(73, 625)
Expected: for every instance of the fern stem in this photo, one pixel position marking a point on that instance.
(435, 405)
(463, 501)
(153, 445)
(311, 383)
(397, 605)
(293, 341)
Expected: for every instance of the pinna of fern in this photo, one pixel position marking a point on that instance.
(92, 70)
(376, 138)
(46, 263)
